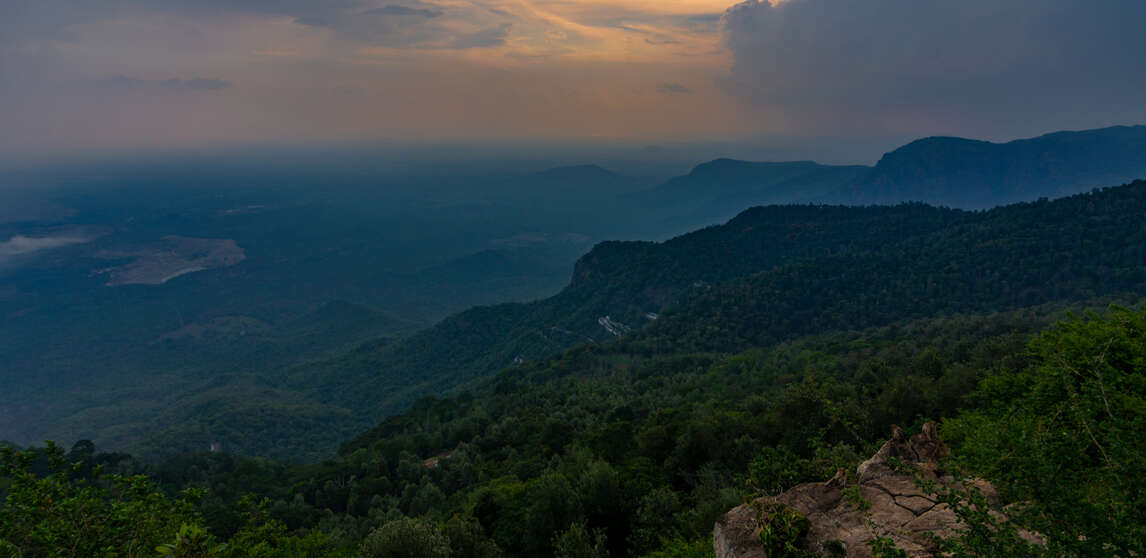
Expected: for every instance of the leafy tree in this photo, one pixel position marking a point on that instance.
(1063, 438)
(55, 514)
(655, 522)
(405, 538)
(192, 541)
(579, 542)
(468, 540)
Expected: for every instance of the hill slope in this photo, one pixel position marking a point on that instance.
(715, 191)
(771, 274)
(625, 283)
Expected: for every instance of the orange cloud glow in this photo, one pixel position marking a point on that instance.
(378, 68)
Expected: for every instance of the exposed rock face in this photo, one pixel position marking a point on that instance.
(899, 509)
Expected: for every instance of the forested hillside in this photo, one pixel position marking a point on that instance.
(622, 452)
(116, 326)
(625, 281)
(806, 268)
(786, 344)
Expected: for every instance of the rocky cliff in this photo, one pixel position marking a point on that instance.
(880, 500)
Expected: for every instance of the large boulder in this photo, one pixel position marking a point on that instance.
(889, 505)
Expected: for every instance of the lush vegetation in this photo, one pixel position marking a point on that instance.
(1063, 436)
(602, 451)
(806, 269)
(781, 355)
(226, 356)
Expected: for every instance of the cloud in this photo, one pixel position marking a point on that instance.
(125, 75)
(312, 20)
(121, 81)
(367, 20)
(703, 23)
(124, 82)
(539, 26)
(396, 10)
(485, 38)
(978, 65)
(206, 84)
(647, 20)
(408, 24)
(673, 89)
(19, 244)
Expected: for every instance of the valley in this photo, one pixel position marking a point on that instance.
(200, 289)
(572, 279)
(780, 356)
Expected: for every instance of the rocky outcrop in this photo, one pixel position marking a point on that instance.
(881, 500)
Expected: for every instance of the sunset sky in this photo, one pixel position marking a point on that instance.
(132, 74)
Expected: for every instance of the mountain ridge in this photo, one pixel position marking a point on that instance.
(976, 174)
(940, 170)
(806, 268)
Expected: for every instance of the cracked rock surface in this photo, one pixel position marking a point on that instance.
(899, 509)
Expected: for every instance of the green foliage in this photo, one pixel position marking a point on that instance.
(1062, 436)
(883, 547)
(679, 548)
(263, 536)
(57, 514)
(782, 531)
(405, 538)
(655, 520)
(192, 541)
(777, 468)
(578, 542)
(985, 533)
(468, 540)
(644, 449)
(854, 497)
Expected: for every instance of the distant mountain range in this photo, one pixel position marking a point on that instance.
(972, 174)
(717, 190)
(943, 171)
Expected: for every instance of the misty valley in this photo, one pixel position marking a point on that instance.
(291, 354)
(572, 279)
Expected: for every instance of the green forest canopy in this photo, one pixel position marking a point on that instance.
(754, 383)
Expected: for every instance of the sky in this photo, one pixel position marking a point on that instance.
(123, 75)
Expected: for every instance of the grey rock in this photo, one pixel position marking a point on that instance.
(898, 510)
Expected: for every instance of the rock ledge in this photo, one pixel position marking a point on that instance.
(899, 510)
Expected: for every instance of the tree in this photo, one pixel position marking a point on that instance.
(578, 542)
(56, 514)
(405, 538)
(1063, 437)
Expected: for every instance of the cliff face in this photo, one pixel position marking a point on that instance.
(899, 510)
